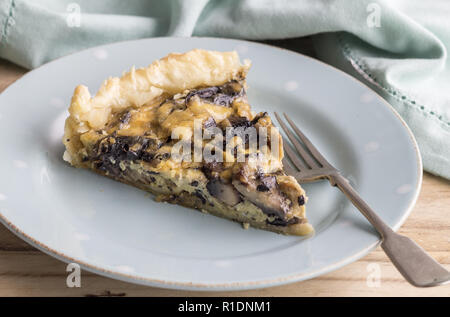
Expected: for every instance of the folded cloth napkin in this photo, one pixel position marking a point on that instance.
(399, 48)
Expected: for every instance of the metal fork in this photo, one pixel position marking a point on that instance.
(416, 266)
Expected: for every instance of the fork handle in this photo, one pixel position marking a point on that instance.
(343, 184)
(410, 259)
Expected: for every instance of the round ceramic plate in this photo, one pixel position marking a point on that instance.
(121, 232)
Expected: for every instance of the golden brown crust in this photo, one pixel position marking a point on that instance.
(169, 75)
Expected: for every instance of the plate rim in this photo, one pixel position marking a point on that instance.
(230, 286)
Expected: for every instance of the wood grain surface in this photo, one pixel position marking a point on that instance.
(25, 271)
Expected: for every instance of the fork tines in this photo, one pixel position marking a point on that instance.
(304, 156)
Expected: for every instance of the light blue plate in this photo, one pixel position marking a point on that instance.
(119, 231)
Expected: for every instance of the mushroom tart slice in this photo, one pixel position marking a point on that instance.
(183, 130)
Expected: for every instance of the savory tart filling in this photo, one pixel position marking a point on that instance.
(182, 129)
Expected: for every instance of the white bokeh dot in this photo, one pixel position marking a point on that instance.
(242, 49)
(371, 146)
(100, 54)
(290, 85)
(404, 189)
(367, 97)
(57, 102)
(81, 236)
(222, 263)
(20, 164)
(2, 196)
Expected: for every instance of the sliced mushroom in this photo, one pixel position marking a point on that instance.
(284, 223)
(220, 95)
(224, 192)
(263, 192)
(237, 122)
(272, 202)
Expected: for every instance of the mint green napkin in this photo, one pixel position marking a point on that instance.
(399, 48)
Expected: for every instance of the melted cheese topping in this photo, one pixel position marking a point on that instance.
(162, 120)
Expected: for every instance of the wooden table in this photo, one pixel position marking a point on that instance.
(25, 271)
